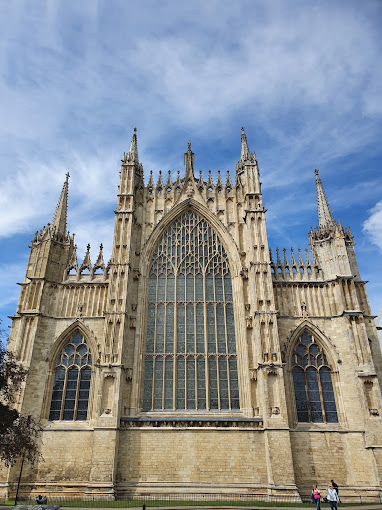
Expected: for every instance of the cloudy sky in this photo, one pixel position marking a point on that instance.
(303, 77)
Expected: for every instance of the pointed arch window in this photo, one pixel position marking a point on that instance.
(72, 376)
(312, 379)
(190, 360)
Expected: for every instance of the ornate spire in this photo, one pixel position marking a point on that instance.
(300, 261)
(293, 260)
(245, 154)
(189, 158)
(308, 263)
(73, 263)
(210, 182)
(150, 184)
(325, 217)
(59, 218)
(228, 183)
(286, 262)
(160, 182)
(169, 182)
(200, 181)
(178, 182)
(133, 152)
(219, 183)
(100, 264)
(86, 264)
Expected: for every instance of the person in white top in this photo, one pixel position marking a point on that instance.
(332, 497)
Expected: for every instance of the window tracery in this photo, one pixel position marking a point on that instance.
(190, 360)
(71, 385)
(312, 379)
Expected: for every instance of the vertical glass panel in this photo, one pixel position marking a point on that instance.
(314, 395)
(83, 394)
(152, 288)
(200, 347)
(181, 327)
(219, 288)
(170, 287)
(223, 382)
(169, 328)
(306, 339)
(190, 334)
(210, 288)
(201, 383)
(231, 340)
(180, 288)
(213, 380)
(190, 287)
(150, 328)
(328, 395)
(180, 383)
(233, 383)
(148, 385)
(158, 383)
(199, 295)
(227, 288)
(191, 383)
(70, 394)
(220, 323)
(161, 287)
(168, 383)
(159, 341)
(211, 328)
(300, 395)
(58, 387)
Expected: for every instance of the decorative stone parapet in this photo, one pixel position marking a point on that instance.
(185, 422)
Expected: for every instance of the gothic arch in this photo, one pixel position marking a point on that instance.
(313, 330)
(231, 251)
(313, 388)
(57, 348)
(201, 210)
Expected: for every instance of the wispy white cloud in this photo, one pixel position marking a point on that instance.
(373, 225)
(302, 77)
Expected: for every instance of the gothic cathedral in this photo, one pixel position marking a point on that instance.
(195, 360)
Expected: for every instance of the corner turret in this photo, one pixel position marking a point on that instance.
(52, 246)
(330, 242)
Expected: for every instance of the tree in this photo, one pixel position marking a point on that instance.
(18, 433)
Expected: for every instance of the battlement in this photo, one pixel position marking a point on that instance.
(295, 270)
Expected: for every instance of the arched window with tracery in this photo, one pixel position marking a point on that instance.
(312, 379)
(71, 385)
(190, 360)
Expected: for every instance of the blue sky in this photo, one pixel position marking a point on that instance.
(303, 77)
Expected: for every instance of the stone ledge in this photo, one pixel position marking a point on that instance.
(186, 422)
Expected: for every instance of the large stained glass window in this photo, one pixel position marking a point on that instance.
(71, 384)
(190, 360)
(312, 380)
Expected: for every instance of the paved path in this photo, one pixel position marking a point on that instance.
(376, 506)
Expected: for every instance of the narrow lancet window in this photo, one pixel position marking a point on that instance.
(190, 360)
(70, 396)
(312, 379)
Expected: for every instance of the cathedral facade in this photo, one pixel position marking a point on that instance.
(196, 360)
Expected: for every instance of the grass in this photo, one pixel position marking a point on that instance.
(138, 503)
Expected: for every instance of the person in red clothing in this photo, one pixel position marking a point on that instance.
(316, 496)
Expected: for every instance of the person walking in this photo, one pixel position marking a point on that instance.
(317, 497)
(335, 486)
(332, 497)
